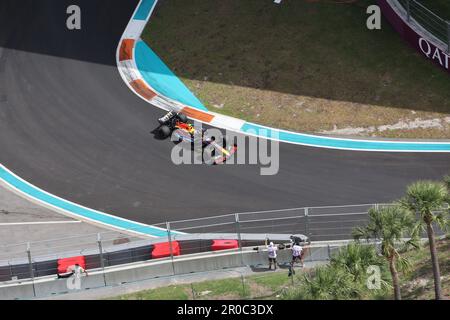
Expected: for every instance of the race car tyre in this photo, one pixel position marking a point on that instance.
(182, 117)
(176, 138)
(164, 131)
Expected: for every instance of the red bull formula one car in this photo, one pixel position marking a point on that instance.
(175, 125)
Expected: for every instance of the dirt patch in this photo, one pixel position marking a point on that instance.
(405, 125)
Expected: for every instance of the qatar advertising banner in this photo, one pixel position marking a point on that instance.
(421, 44)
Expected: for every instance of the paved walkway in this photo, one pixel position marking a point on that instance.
(23, 221)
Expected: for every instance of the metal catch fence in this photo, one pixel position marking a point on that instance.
(429, 20)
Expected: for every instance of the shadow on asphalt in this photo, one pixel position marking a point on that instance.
(40, 27)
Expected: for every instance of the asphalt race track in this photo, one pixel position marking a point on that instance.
(70, 125)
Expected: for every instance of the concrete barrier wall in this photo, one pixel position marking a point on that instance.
(113, 256)
(139, 271)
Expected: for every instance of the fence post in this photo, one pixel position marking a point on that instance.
(169, 237)
(243, 285)
(30, 264)
(307, 223)
(238, 231)
(448, 36)
(329, 252)
(193, 291)
(10, 270)
(102, 261)
(408, 10)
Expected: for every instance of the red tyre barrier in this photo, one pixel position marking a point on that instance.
(65, 263)
(161, 250)
(224, 245)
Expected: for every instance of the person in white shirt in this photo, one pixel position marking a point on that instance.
(272, 253)
(297, 255)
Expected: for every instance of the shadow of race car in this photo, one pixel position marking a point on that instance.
(176, 126)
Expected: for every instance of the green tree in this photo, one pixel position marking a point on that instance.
(428, 199)
(355, 258)
(391, 225)
(447, 181)
(344, 278)
(327, 283)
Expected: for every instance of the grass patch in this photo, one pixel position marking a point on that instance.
(221, 289)
(309, 66)
(262, 286)
(273, 282)
(165, 293)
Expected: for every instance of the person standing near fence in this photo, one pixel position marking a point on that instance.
(75, 270)
(297, 254)
(272, 253)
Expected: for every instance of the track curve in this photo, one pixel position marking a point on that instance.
(69, 125)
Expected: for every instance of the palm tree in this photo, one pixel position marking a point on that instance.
(428, 199)
(447, 183)
(327, 283)
(355, 258)
(390, 225)
(343, 278)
